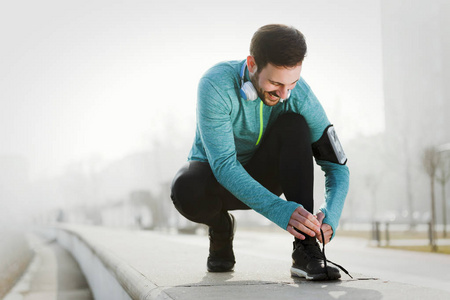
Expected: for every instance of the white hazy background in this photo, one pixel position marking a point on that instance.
(105, 79)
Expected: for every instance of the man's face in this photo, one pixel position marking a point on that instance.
(272, 83)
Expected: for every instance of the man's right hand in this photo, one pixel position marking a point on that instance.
(304, 221)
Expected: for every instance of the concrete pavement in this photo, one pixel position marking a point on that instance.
(151, 265)
(53, 274)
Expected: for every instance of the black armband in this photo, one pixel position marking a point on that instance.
(329, 148)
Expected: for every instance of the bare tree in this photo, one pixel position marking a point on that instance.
(442, 178)
(373, 183)
(430, 160)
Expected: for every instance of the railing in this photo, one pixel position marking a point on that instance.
(378, 226)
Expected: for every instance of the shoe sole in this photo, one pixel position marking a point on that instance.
(220, 270)
(302, 274)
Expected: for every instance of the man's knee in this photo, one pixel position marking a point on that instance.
(293, 124)
(189, 190)
(292, 120)
(182, 188)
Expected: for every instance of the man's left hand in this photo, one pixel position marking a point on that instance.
(327, 230)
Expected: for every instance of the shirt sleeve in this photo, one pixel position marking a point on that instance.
(216, 132)
(336, 175)
(336, 188)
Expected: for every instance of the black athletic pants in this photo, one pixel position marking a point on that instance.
(283, 164)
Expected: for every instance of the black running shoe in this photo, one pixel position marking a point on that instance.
(309, 262)
(221, 256)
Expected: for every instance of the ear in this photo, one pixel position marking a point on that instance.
(251, 64)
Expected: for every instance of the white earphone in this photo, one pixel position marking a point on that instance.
(248, 91)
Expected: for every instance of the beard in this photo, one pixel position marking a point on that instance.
(268, 98)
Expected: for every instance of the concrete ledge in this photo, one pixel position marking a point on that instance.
(108, 276)
(127, 264)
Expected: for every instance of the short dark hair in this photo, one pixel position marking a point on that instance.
(280, 45)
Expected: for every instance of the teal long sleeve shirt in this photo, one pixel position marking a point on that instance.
(228, 132)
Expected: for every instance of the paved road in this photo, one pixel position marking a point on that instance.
(421, 269)
(417, 268)
(176, 265)
(53, 274)
(15, 255)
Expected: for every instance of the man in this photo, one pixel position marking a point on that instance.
(258, 127)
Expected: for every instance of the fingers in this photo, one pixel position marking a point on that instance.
(295, 233)
(304, 221)
(304, 229)
(320, 216)
(309, 224)
(303, 212)
(327, 233)
(306, 218)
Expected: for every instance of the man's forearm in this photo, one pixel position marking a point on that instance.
(336, 189)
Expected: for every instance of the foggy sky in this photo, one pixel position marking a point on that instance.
(82, 78)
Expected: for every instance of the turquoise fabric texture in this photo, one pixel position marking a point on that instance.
(227, 132)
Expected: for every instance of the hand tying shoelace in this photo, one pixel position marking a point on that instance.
(326, 260)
